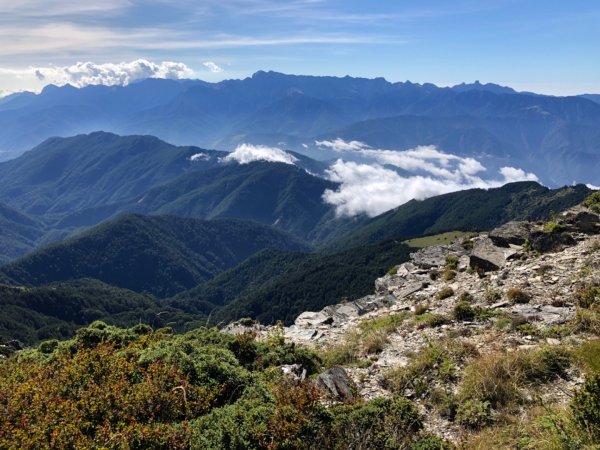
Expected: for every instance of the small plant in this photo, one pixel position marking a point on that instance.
(502, 323)
(433, 275)
(429, 320)
(467, 244)
(247, 322)
(445, 293)
(587, 295)
(464, 311)
(466, 297)
(554, 226)
(451, 262)
(586, 320)
(492, 295)
(392, 270)
(449, 275)
(586, 406)
(421, 308)
(517, 295)
(474, 414)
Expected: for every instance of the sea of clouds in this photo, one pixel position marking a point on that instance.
(383, 179)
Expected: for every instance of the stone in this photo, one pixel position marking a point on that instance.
(488, 257)
(579, 218)
(510, 233)
(337, 384)
(550, 242)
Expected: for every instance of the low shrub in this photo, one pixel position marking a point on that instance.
(451, 262)
(464, 311)
(586, 406)
(517, 295)
(429, 320)
(492, 295)
(593, 202)
(445, 293)
(499, 378)
(449, 275)
(382, 423)
(435, 363)
(474, 414)
(421, 308)
(587, 295)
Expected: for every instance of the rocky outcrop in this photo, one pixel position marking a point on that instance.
(337, 384)
(546, 267)
(514, 233)
(545, 242)
(486, 256)
(581, 219)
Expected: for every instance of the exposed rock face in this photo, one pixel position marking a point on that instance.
(550, 242)
(581, 219)
(431, 257)
(337, 383)
(487, 256)
(510, 233)
(549, 276)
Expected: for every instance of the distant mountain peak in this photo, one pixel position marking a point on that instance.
(478, 86)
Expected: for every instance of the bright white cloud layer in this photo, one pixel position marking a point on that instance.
(390, 178)
(110, 74)
(247, 153)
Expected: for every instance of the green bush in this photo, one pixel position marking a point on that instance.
(464, 311)
(593, 202)
(587, 295)
(586, 406)
(445, 293)
(474, 413)
(517, 295)
(451, 262)
(382, 423)
(449, 275)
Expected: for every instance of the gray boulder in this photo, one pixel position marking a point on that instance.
(581, 219)
(510, 233)
(550, 242)
(487, 256)
(337, 384)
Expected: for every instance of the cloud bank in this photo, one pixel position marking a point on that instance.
(111, 74)
(391, 178)
(247, 153)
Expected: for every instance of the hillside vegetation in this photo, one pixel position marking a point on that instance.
(161, 255)
(137, 388)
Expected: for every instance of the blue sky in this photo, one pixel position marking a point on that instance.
(543, 46)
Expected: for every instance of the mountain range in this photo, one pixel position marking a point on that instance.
(554, 137)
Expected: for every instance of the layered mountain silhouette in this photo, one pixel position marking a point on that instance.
(555, 137)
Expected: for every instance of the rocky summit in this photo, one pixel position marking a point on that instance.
(523, 290)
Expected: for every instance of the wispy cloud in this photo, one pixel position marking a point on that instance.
(389, 178)
(247, 153)
(59, 8)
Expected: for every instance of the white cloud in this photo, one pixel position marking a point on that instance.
(377, 185)
(199, 157)
(212, 67)
(511, 174)
(247, 153)
(339, 145)
(4, 93)
(110, 74)
(591, 186)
